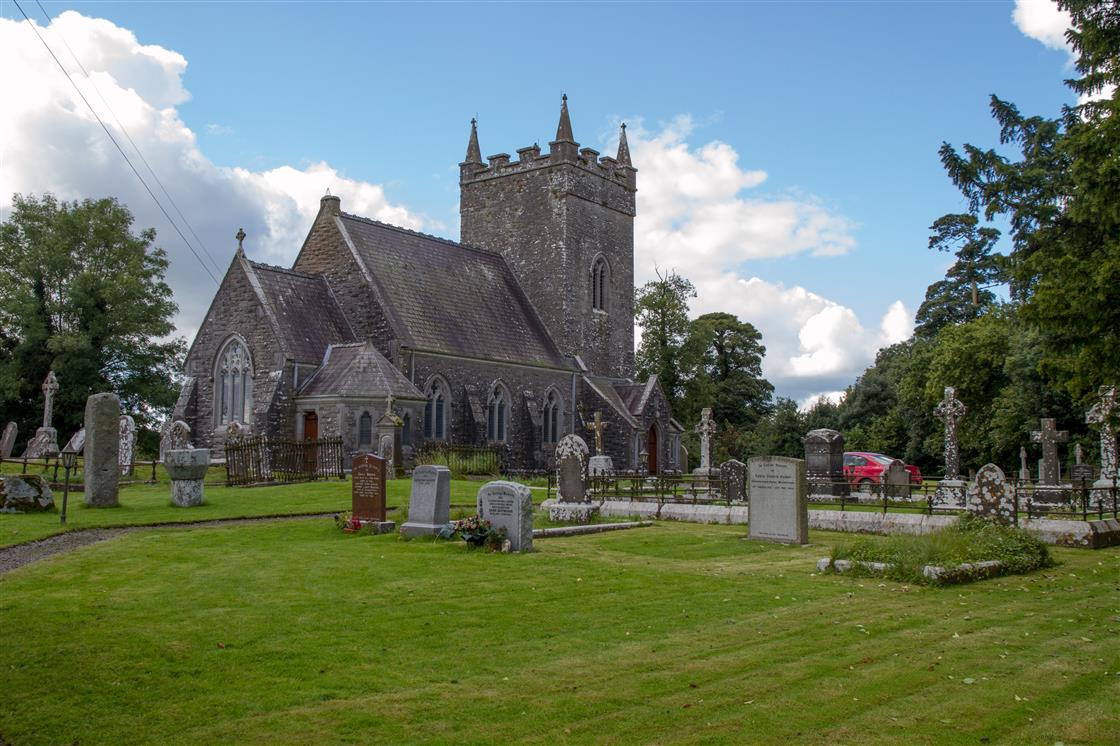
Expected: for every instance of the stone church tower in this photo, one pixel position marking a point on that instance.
(564, 221)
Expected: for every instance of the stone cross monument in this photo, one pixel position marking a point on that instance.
(1103, 415)
(1049, 437)
(45, 442)
(706, 429)
(1024, 470)
(597, 428)
(949, 411)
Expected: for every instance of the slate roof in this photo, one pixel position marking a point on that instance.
(609, 392)
(358, 370)
(307, 316)
(446, 297)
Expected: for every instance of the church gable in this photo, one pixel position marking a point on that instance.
(307, 316)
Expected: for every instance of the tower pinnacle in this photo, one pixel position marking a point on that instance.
(623, 156)
(564, 129)
(474, 154)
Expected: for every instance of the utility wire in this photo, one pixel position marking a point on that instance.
(135, 147)
(115, 143)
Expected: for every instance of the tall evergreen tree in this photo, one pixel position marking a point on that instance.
(661, 310)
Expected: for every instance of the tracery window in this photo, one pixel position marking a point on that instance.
(435, 411)
(600, 284)
(497, 414)
(553, 412)
(233, 381)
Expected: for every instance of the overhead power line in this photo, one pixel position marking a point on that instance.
(115, 143)
(120, 125)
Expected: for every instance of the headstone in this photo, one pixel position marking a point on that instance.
(101, 471)
(176, 435)
(1049, 437)
(1024, 470)
(187, 469)
(598, 427)
(367, 492)
(509, 505)
(77, 442)
(128, 444)
(896, 480)
(733, 480)
(950, 410)
(385, 451)
(706, 428)
(1082, 475)
(1104, 416)
(429, 505)
(824, 462)
(1077, 453)
(25, 493)
(779, 509)
(600, 466)
(684, 459)
(45, 442)
(992, 496)
(571, 469)
(8, 442)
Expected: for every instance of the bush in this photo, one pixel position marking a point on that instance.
(972, 539)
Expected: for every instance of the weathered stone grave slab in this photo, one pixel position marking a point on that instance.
(367, 492)
(8, 442)
(779, 499)
(733, 480)
(896, 480)
(25, 493)
(187, 469)
(102, 475)
(128, 444)
(429, 504)
(990, 495)
(509, 505)
(77, 442)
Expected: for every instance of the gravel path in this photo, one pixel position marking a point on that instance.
(24, 554)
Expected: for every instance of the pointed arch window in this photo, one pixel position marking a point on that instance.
(233, 383)
(497, 414)
(600, 284)
(553, 412)
(436, 410)
(365, 430)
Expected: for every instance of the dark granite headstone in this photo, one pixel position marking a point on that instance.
(824, 462)
(896, 480)
(368, 488)
(733, 480)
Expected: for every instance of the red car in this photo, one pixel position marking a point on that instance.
(863, 469)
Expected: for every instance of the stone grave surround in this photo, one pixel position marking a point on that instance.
(779, 508)
(991, 496)
(509, 505)
(429, 504)
(102, 454)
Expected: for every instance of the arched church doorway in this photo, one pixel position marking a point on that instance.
(310, 426)
(651, 448)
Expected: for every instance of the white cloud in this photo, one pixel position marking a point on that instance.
(219, 130)
(693, 215)
(1043, 21)
(810, 401)
(51, 142)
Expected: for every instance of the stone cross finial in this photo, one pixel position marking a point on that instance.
(706, 429)
(388, 404)
(240, 238)
(1049, 436)
(50, 386)
(1103, 415)
(949, 411)
(598, 427)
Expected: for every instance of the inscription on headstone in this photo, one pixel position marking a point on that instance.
(509, 505)
(367, 489)
(429, 504)
(779, 508)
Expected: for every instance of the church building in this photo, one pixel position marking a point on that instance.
(512, 337)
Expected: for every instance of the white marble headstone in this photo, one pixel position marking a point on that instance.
(509, 505)
(779, 508)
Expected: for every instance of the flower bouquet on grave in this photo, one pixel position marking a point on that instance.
(476, 531)
(347, 522)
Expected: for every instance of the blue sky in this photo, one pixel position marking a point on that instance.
(809, 131)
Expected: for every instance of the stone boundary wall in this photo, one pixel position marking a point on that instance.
(1094, 534)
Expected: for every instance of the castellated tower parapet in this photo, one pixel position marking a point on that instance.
(564, 220)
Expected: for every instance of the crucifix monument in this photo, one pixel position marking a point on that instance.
(599, 464)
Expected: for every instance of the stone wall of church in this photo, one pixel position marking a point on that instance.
(325, 252)
(236, 310)
(471, 382)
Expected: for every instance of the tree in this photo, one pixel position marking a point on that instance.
(80, 293)
(964, 293)
(1062, 199)
(661, 309)
(723, 359)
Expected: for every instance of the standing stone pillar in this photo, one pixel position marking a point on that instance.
(102, 472)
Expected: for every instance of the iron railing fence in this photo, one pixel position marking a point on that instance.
(264, 460)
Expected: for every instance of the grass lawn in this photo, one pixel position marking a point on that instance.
(680, 633)
(143, 504)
